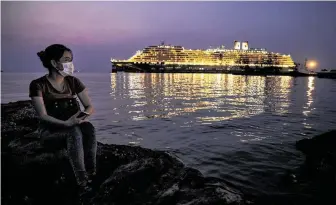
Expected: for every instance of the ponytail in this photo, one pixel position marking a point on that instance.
(41, 55)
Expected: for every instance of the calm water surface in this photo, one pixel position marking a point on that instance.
(239, 128)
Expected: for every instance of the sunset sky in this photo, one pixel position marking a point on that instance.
(97, 31)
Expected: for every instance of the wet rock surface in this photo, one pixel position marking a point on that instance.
(32, 174)
(318, 173)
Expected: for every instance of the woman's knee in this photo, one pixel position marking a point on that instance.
(87, 126)
(53, 141)
(88, 130)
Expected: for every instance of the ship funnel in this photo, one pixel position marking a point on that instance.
(236, 45)
(245, 45)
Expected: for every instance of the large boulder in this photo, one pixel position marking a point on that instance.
(319, 169)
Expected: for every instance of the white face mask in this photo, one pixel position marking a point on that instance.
(68, 69)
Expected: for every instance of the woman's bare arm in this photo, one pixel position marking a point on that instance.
(86, 101)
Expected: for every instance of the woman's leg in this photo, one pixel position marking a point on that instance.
(76, 154)
(53, 141)
(70, 138)
(90, 146)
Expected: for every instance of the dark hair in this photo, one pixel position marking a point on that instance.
(52, 52)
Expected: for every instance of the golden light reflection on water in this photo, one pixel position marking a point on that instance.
(307, 107)
(309, 91)
(210, 97)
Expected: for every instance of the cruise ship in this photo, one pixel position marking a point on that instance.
(173, 58)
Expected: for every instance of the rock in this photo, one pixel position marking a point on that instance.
(32, 174)
(320, 152)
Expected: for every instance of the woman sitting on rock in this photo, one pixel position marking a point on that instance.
(61, 121)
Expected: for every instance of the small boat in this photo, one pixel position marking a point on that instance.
(327, 74)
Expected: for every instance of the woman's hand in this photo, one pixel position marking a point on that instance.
(73, 120)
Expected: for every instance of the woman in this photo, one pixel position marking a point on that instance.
(53, 96)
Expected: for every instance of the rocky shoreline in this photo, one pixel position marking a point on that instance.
(135, 175)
